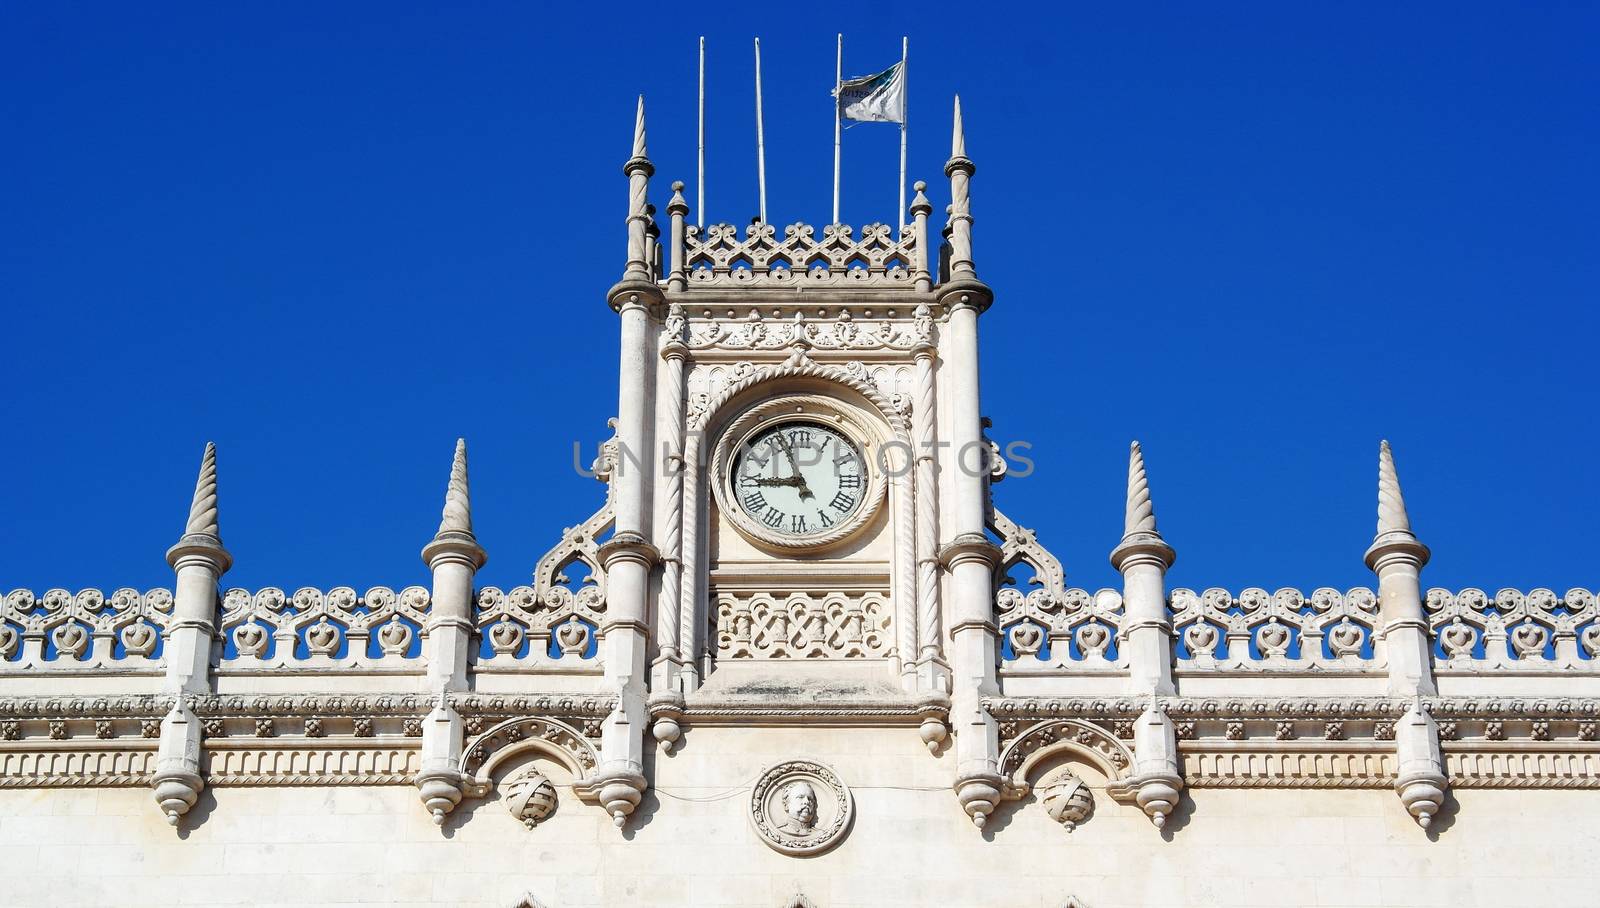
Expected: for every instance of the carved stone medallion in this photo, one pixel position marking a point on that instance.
(800, 808)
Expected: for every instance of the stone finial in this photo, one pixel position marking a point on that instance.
(919, 202)
(457, 515)
(1392, 516)
(1141, 514)
(203, 510)
(1139, 534)
(958, 135)
(677, 204)
(638, 132)
(202, 536)
(455, 538)
(1394, 535)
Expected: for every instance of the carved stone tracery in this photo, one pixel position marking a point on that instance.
(808, 624)
(1049, 626)
(719, 257)
(518, 625)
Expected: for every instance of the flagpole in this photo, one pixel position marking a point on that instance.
(838, 80)
(905, 114)
(761, 141)
(700, 183)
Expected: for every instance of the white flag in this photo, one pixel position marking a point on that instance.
(879, 98)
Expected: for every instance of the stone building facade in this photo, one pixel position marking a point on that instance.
(799, 656)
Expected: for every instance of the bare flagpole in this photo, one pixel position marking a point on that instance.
(700, 184)
(761, 141)
(838, 80)
(905, 114)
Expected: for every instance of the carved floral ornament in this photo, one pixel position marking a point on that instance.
(744, 376)
(800, 808)
(845, 332)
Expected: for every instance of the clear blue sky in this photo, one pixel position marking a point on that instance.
(1258, 237)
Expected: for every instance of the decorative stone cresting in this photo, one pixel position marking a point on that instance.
(1512, 630)
(1049, 626)
(269, 629)
(64, 631)
(1284, 631)
(720, 258)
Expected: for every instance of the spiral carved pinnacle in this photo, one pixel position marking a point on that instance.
(1392, 517)
(203, 510)
(638, 131)
(1141, 513)
(1140, 538)
(457, 514)
(958, 135)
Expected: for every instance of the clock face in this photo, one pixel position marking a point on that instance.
(799, 479)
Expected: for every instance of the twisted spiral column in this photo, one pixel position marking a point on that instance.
(689, 576)
(905, 574)
(924, 422)
(668, 628)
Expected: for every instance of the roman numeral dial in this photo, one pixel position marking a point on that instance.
(799, 479)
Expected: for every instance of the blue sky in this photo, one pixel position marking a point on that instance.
(1257, 237)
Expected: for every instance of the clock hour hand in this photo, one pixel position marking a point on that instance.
(788, 450)
(771, 481)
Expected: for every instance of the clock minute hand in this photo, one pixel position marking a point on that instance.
(805, 490)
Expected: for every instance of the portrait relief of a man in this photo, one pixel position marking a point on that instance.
(799, 809)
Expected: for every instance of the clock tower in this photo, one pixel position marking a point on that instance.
(800, 482)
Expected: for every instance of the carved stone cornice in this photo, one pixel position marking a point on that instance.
(802, 709)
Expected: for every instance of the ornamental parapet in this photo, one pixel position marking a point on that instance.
(716, 256)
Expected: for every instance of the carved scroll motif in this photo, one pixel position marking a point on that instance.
(63, 631)
(1282, 631)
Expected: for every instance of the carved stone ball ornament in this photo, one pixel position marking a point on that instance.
(530, 797)
(1066, 799)
(799, 473)
(800, 808)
